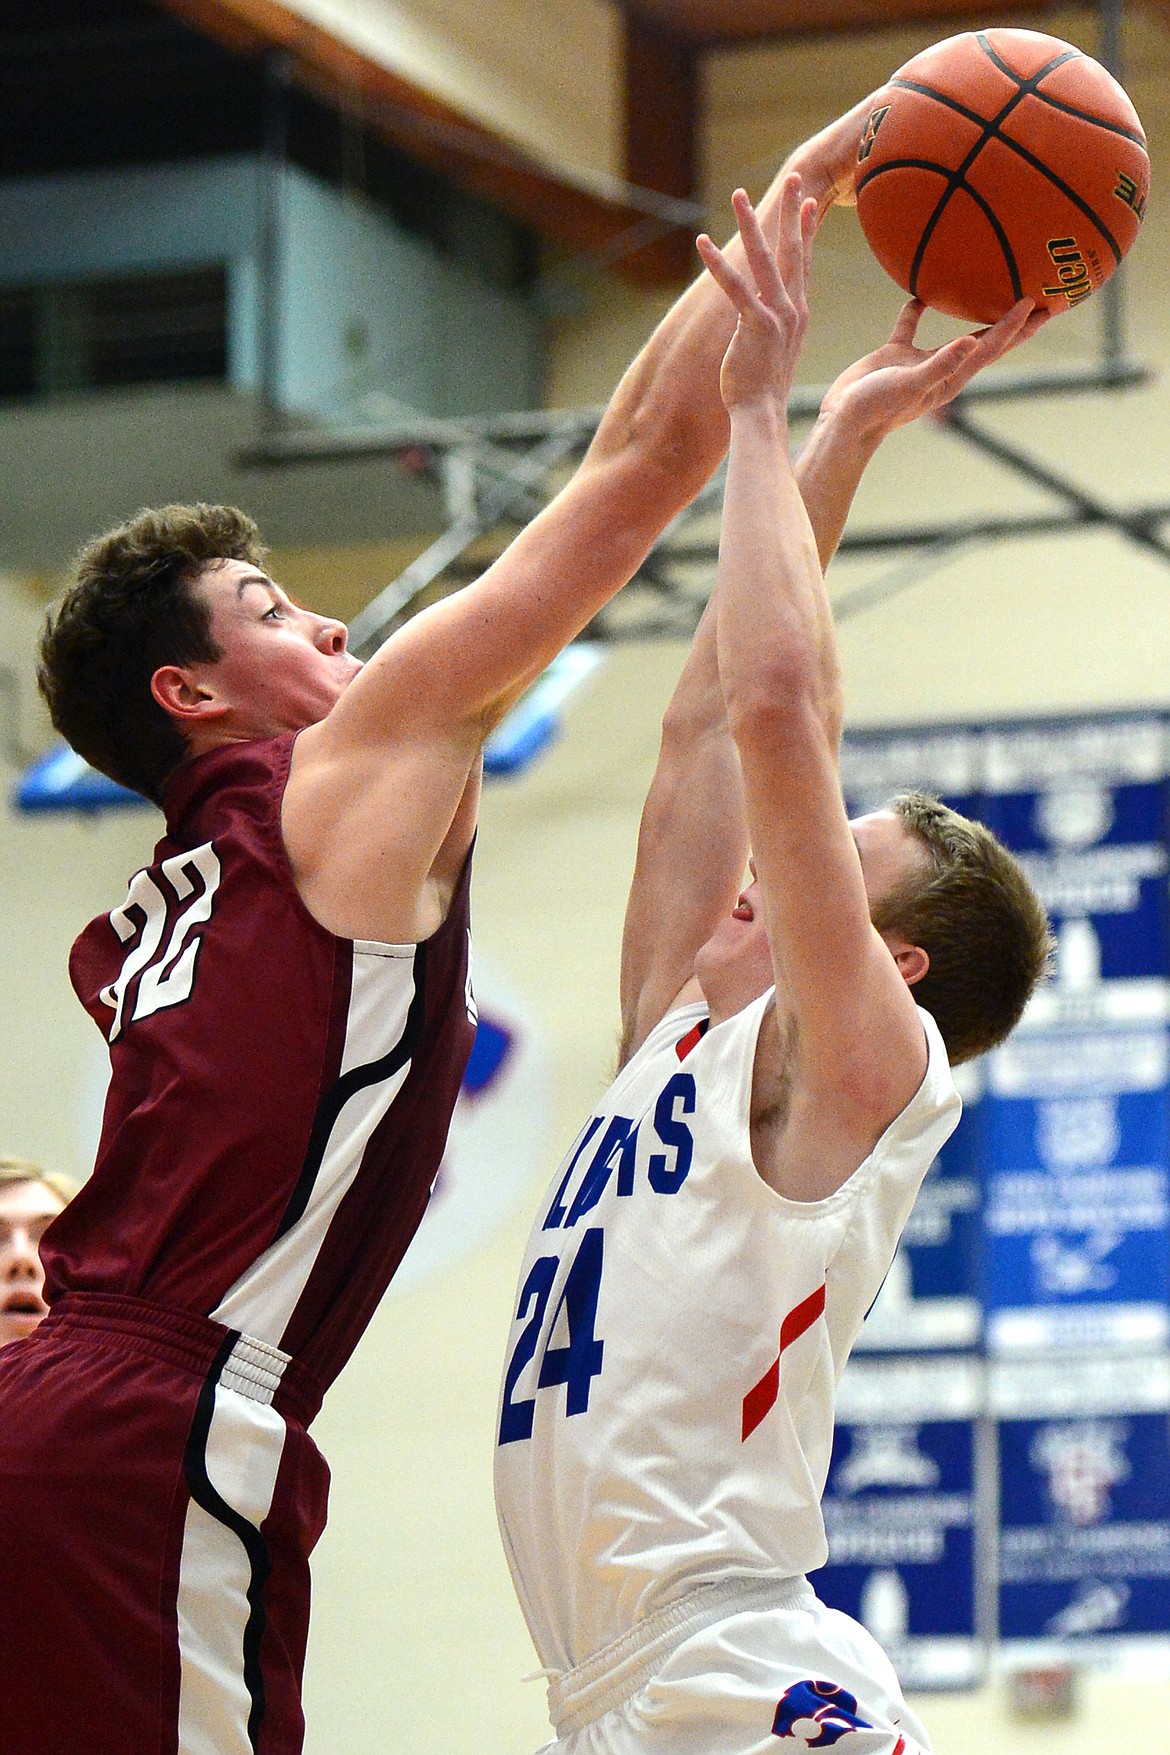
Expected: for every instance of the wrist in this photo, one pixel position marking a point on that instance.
(850, 428)
(764, 411)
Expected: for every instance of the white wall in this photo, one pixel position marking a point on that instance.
(371, 319)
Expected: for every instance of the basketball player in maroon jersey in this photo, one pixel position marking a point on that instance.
(284, 993)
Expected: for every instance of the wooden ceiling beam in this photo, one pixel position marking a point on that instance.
(434, 133)
(707, 23)
(661, 128)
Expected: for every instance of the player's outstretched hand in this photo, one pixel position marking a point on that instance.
(899, 382)
(771, 299)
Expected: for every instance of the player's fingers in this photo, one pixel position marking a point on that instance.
(809, 220)
(945, 371)
(766, 271)
(791, 243)
(998, 337)
(729, 278)
(906, 328)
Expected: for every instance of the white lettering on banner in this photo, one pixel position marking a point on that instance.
(946, 762)
(1095, 880)
(908, 1528)
(1023, 1201)
(1078, 1328)
(1039, 1387)
(1114, 1549)
(1097, 1061)
(939, 1199)
(881, 1390)
(1108, 750)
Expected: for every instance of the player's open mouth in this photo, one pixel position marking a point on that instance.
(742, 910)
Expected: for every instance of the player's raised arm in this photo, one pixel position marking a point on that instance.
(860, 1051)
(692, 841)
(413, 724)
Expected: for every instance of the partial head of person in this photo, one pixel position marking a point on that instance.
(30, 1199)
(964, 901)
(173, 640)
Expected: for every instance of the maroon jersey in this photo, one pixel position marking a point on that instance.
(280, 1097)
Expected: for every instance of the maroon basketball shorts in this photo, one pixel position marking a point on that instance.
(159, 1500)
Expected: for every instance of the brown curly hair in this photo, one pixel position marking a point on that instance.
(129, 610)
(978, 919)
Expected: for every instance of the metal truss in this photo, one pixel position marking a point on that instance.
(498, 471)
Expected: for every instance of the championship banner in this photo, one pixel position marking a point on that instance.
(1077, 1194)
(944, 760)
(1083, 802)
(931, 1296)
(901, 1516)
(1083, 1458)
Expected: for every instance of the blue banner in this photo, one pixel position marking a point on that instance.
(1084, 1493)
(1077, 1203)
(931, 1298)
(900, 1515)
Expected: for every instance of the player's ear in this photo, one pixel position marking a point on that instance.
(181, 694)
(912, 960)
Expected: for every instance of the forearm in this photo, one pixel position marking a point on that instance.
(829, 469)
(668, 402)
(692, 841)
(776, 647)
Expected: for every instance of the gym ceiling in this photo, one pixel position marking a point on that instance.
(104, 82)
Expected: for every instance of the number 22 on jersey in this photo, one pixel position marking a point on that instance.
(165, 971)
(577, 1361)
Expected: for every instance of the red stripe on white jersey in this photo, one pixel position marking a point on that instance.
(761, 1398)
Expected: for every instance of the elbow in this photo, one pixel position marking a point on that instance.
(775, 704)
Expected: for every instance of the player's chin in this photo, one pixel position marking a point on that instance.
(17, 1325)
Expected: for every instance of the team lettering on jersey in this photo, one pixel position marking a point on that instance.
(656, 1152)
(629, 1150)
(159, 967)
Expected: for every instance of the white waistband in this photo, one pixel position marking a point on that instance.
(253, 1368)
(614, 1674)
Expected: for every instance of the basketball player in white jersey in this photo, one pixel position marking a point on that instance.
(702, 1263)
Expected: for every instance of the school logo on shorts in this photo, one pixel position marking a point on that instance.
(817, 1714)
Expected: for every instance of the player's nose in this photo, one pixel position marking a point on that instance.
(332, 636)
(23, 1262)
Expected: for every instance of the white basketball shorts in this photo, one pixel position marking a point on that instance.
(759, 1668)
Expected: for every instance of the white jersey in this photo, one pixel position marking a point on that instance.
(666, 1417)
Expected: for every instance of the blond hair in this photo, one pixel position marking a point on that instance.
(23, 1170)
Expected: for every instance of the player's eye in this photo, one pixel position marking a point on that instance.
(275, 614)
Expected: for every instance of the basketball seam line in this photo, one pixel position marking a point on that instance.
(1096, 121)
(1042, 97)
(1033, 79)
(957, 177)
(991, 127)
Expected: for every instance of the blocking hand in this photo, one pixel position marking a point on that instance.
(771, 299)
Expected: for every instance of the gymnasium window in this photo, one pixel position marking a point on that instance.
(98, 334)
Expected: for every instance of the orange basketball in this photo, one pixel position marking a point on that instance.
(1002, 164)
